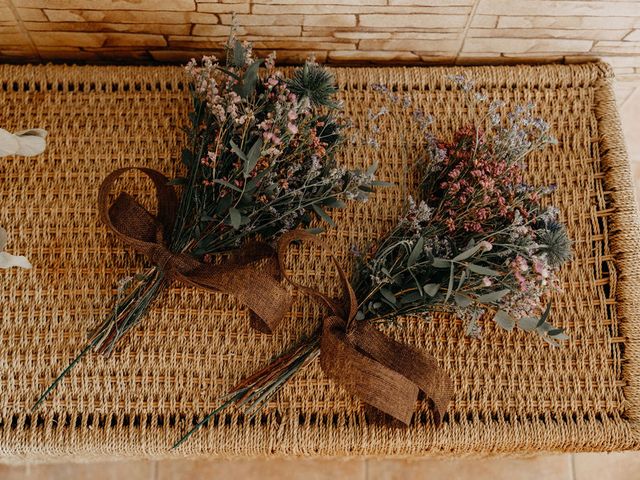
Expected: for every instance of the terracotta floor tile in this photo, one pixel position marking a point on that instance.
(294, 469)
(11, 472)
(549, 467)
(607, 466)
(124, 470)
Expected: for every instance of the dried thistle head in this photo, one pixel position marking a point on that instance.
(554, 243)
(315, 83)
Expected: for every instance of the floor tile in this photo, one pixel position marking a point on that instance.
(294, 469)
(630, 115)
(123, 470)
(12, 472)
(607, 466)
(549, 467)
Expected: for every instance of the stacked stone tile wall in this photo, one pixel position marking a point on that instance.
(336, 31)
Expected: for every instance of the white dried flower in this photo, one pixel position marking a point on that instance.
(6, 259)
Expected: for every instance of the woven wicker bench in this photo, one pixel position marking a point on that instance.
(513, 392)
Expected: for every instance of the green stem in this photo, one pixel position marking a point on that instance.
(64, 373)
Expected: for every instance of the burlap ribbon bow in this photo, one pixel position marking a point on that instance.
(257, 288)
(380, 371)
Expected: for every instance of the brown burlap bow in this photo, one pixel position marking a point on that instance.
(257, 288)
(382, 372)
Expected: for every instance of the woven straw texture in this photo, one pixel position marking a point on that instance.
(513, 393)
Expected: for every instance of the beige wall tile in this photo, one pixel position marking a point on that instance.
(600, 34)
(353, 9)
(247, 20)
(413, 21)
(329, 20)
(111, 4)
(243, 7)
(484, 21)
(523, 45)
(127, 16)
(12, 39)
(604, 21)
(353, 56)
(306, 469)
(400, 45)
(77, 39)
(32, 15)
(6, 15)
(155, 28)
(617, 47)
(537, 468)
(611, 466)
(558, 7)
(634, 36)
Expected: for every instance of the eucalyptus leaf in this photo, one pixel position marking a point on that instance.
(545, 315)
(416, 252)
(177, 181)
(235, 217)
(187, 157)
(467, 253)
(504, 320)
(410, 297)
(380, 183)
(493, 297)
(441, 263)
(528, 324)
(431, 289)
(315, 230)
(480, 270)
(333, 202)
(226, 184)
(248, 85)
(450, 287)
(388, 295)
(236, 149)
(252, 157)
(323, 215)
(463, 277)
(462, 300)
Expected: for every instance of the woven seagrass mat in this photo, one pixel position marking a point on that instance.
(513, 393)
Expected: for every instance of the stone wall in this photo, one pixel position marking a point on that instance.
(337, 31)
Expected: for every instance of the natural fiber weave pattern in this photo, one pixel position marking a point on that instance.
(512, 392)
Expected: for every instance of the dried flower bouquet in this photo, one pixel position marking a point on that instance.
(260, 162)
(477, 242)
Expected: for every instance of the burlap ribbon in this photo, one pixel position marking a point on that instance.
(256, 287)
(382, 372)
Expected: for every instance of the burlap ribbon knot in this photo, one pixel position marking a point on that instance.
(257, 287)
(380, 371)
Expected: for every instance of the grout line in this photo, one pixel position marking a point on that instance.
(467, 26)
(154, 469)
(572, 463)
(366, 469)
